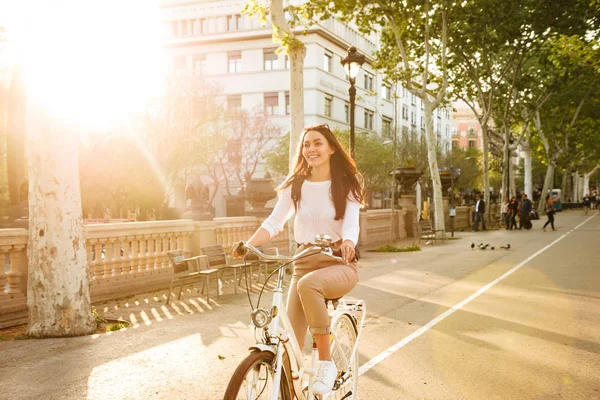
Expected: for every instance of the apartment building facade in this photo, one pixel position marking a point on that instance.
(213, 39)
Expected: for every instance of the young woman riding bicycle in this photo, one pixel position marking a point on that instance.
(325, 192)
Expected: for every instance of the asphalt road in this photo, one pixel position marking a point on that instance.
(445, 323)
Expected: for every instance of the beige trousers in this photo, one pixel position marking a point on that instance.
(315, 279)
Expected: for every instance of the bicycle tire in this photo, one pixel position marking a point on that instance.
(252, 361)
(344, 329)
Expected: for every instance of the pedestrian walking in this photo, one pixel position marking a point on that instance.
(479, 213)
(513, 210)
(525, 219)
(504, 211)
(550, 212)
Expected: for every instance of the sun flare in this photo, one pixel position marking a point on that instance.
(92, 63)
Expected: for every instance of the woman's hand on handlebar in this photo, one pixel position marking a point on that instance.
(347, 250)
(238, 251)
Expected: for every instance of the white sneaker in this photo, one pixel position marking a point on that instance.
(325, 378)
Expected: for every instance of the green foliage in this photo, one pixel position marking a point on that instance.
(277, 158)
(389, 248)
(116, 327)
(98, 316)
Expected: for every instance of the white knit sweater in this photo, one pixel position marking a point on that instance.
(316, 214)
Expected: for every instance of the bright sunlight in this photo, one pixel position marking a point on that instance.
(91, 63)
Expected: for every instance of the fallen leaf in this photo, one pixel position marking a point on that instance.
(221, 357)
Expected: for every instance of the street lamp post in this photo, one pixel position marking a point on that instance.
(352, 63)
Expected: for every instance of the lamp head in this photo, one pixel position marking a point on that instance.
(352, 62)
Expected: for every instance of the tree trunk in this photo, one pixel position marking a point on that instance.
(486, 168)
(528, 171)
(548, 182)
(438, 203)
(512, 181)
(58, 291)
(15, 141)
(565, 180)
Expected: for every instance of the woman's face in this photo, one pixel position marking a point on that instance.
(316, 149)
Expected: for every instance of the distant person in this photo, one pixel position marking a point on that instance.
(593, 200)
(526, 207)
(587, 203)
(504, 211)
(550, 211)
(513, 210)
(479, 213)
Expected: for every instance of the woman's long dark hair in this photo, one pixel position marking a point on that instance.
(345, 178)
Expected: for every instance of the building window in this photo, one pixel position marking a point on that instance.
(234, 102)
(347, 113)
(472, 143)
(204, 25)
(368, 81)
(413, 118)
(455, 144)
(271, 62)
(328, 61)
(287, 103)
(405, 112)
(422, 122)
(328, 105)
(272, 103)
(234, 60)
(386, 127)
(199, 65)
(369, 119)
(386, 92)
(287, 62)
(413, 99)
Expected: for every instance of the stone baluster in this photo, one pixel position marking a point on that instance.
(180, 241)
(165, 248)
(117, 259)
(146, 251)
(98, 262)
(157, 250)
(158, 253)
(126, 260)
(135, 256)
(173, 239)
(89, 260)
(14, 275)
(186, 244)
(3, 278)
(108, 257)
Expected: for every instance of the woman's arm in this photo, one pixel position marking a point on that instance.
(274, 224)
(350, 229)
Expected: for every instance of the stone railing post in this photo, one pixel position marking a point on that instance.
(14, 275)
(126, 260)
(363, 238)
(204, 235)
(3, 278)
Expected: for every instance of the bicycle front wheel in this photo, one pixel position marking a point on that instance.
(344, 338)
(253, 379)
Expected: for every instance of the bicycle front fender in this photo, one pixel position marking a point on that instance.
(262, 347)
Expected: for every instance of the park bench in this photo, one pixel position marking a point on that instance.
(217, 258)
(185, 269)
(425, 231)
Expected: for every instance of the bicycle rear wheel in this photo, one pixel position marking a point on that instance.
(344, 338)
(253, 379)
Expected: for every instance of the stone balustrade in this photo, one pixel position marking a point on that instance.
(129, 258)
(13, 273)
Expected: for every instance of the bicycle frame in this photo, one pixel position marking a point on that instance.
(280, 329)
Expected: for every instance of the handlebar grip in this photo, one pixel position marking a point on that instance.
(241, 249)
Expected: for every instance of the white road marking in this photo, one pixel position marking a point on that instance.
(385, 354)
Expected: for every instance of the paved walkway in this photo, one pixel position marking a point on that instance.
(186, 350)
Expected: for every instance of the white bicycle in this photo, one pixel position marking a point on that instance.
(276, 369)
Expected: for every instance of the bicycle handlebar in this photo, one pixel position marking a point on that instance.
(242, 248)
